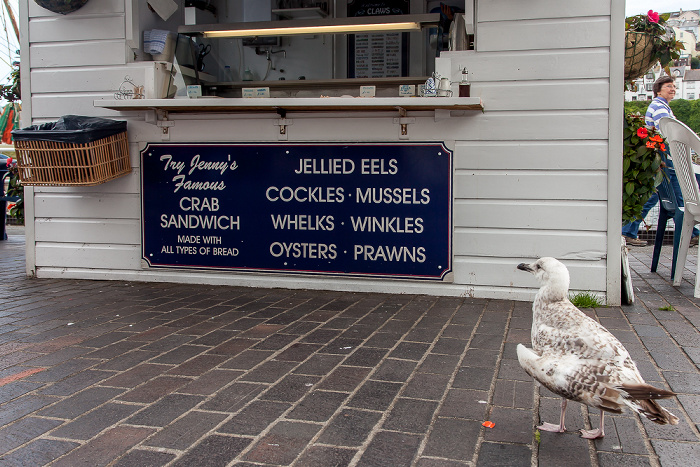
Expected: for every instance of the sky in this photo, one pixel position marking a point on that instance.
(635, 7)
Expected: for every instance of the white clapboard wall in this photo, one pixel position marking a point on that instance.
(530, 172)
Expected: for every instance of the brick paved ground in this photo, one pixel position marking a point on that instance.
(130, 374)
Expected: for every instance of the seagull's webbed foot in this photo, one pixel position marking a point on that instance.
(552, 427)
(592, 434)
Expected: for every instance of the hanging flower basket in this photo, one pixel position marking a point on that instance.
(639, 54)
(61, 6)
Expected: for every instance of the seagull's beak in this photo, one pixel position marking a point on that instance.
(525, 267)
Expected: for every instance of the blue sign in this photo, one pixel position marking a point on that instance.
(361, 209)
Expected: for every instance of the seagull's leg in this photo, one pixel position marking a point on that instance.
(556, 428)
(593, 434)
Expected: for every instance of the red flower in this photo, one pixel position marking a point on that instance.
(642, 132)
(656, 139)
(653, 16)
(9, 161)
(651, 145)
(662, 146)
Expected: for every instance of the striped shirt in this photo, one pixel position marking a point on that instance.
(657, 108)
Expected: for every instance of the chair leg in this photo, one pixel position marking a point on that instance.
(677, 220)
(684, 244)
(659, 239)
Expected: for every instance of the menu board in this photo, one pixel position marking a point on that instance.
(357, 209)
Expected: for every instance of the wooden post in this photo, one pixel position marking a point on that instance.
(12, 18)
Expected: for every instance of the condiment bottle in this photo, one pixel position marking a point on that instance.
(464, 86)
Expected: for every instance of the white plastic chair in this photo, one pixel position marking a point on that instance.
(681, 140)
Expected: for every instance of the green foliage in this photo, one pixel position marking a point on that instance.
(15, 188)
(694, 62)
(586, 300)
(687, 112)
(11, 92)
(641, 165)
(667, 308)
(666, 48)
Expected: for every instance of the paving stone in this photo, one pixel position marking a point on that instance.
(465, 403)
(92, 423)
(283, 443)
(349, 428)
(453, 439)
(383, 340)
(61, 371)
(24, 430)
(374, 395)
(621, 435)
(511, 425)
(426, 386)
(319, 364)
(365, 357)
(37, 452)
(291, 388)
(17, 388)
(246, 359)
(186, 431)
(504, 455)
(254, 418)
(674, 453)
(209, 382)
(473, 378)
(22, 406)
(80, 403)
(233, 397)
(433, 462)
(567, 449)
(344, 378)
(410, 350)
(411, 415)
(153, 389)
(394, 370)
(269, 372)
(143, 458)
(165, 410)
(401, 448)
(325, 456)
(276, 342)
(609, 459)
(105, 448)
(511, 369)
(687, 383)
(198, 365)
(127, 361)
(439, 364)
(298, 352)
(136, 375)
(318, 406)
(516, 394)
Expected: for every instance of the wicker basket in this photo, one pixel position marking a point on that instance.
(50, 163)
(639, 55)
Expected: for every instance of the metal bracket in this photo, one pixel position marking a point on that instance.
(283, 123)
(403, 123)
(159, 117)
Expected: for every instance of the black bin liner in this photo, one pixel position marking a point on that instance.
(73, 129)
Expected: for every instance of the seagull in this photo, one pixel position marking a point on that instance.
(576, 358)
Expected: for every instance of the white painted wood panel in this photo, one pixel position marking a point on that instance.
(528, 65)
(503, 10)
(585, 275)
(514, 243)
(84, 53)
(126, 184)
(88, 255)
(96, 7)
(52, 106)
(543, 94)
(536, 215)
(84, 206)
(113, 231)
(512, 155)
(544, 34)
(76, 29)
(521, 185)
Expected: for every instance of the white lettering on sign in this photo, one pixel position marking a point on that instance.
(194, 221)
(389, 253)
(304, 194)
(387, 224)
(376, 167)
(196, 204)
(303, 250)
(302, 222)
(325, 166)
(392, 196)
